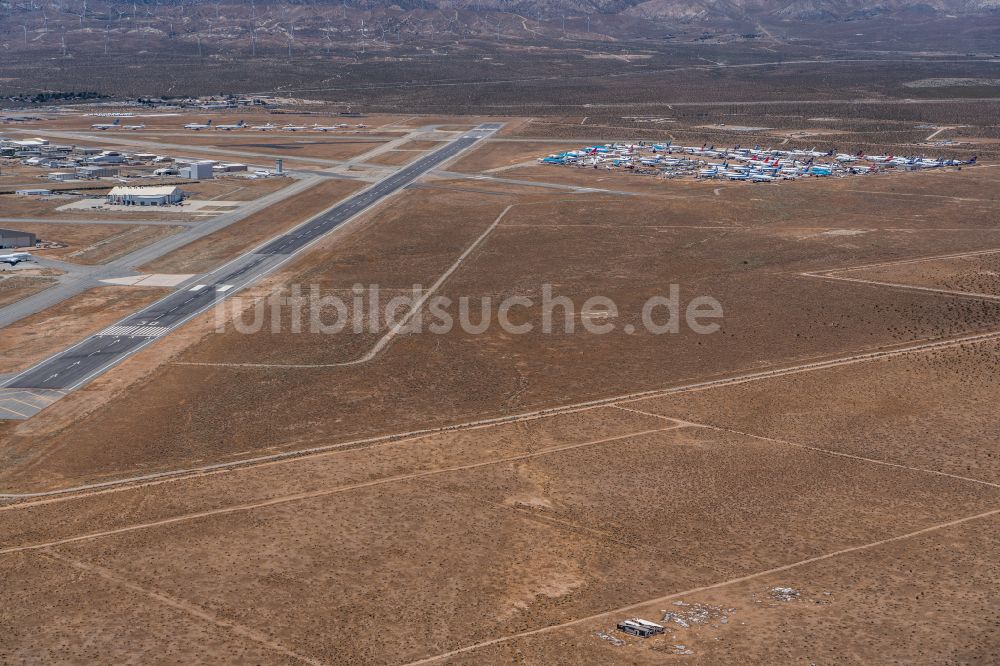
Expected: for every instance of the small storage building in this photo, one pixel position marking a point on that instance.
(96, 171)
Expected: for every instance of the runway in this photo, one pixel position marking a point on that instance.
(96, 354)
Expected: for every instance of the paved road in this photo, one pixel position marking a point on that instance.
(79, 364)
(70, 220)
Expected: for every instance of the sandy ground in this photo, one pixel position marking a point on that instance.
(15, 287)
(973, 274)
(95, 243)
(501, 498)
(235, 188)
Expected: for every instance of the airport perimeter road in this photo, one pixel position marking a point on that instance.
(79, 364)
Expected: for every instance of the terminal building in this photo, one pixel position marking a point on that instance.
(145, 196)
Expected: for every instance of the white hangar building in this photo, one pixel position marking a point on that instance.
(146, 196)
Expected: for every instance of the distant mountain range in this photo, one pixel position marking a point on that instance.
(351, 28)
(701, 10)
(804, 9)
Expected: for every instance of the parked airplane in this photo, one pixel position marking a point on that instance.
(294, 128)
(15, 258)
(325, 128)
(264, 128)
(239, 125)
(134, 127)
(106, 126)
(198, 126)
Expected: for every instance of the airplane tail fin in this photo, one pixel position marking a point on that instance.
(973, 159)
(209, 123)
(117, 120)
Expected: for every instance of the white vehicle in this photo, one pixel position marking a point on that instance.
(198, 126)
(106, 126)
(227, 128)
(134, 127)
(264, 128)
(16, 258)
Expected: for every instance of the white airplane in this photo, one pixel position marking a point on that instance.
(227, 128)
(134, 127)
(198, 126)
(106, 126)
(294, 128)
(361, 125)
(325, 128)
(16, 258)
(264, 128)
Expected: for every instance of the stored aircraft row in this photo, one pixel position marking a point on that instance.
(269, 127)
(751, 164)
(115, 125)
